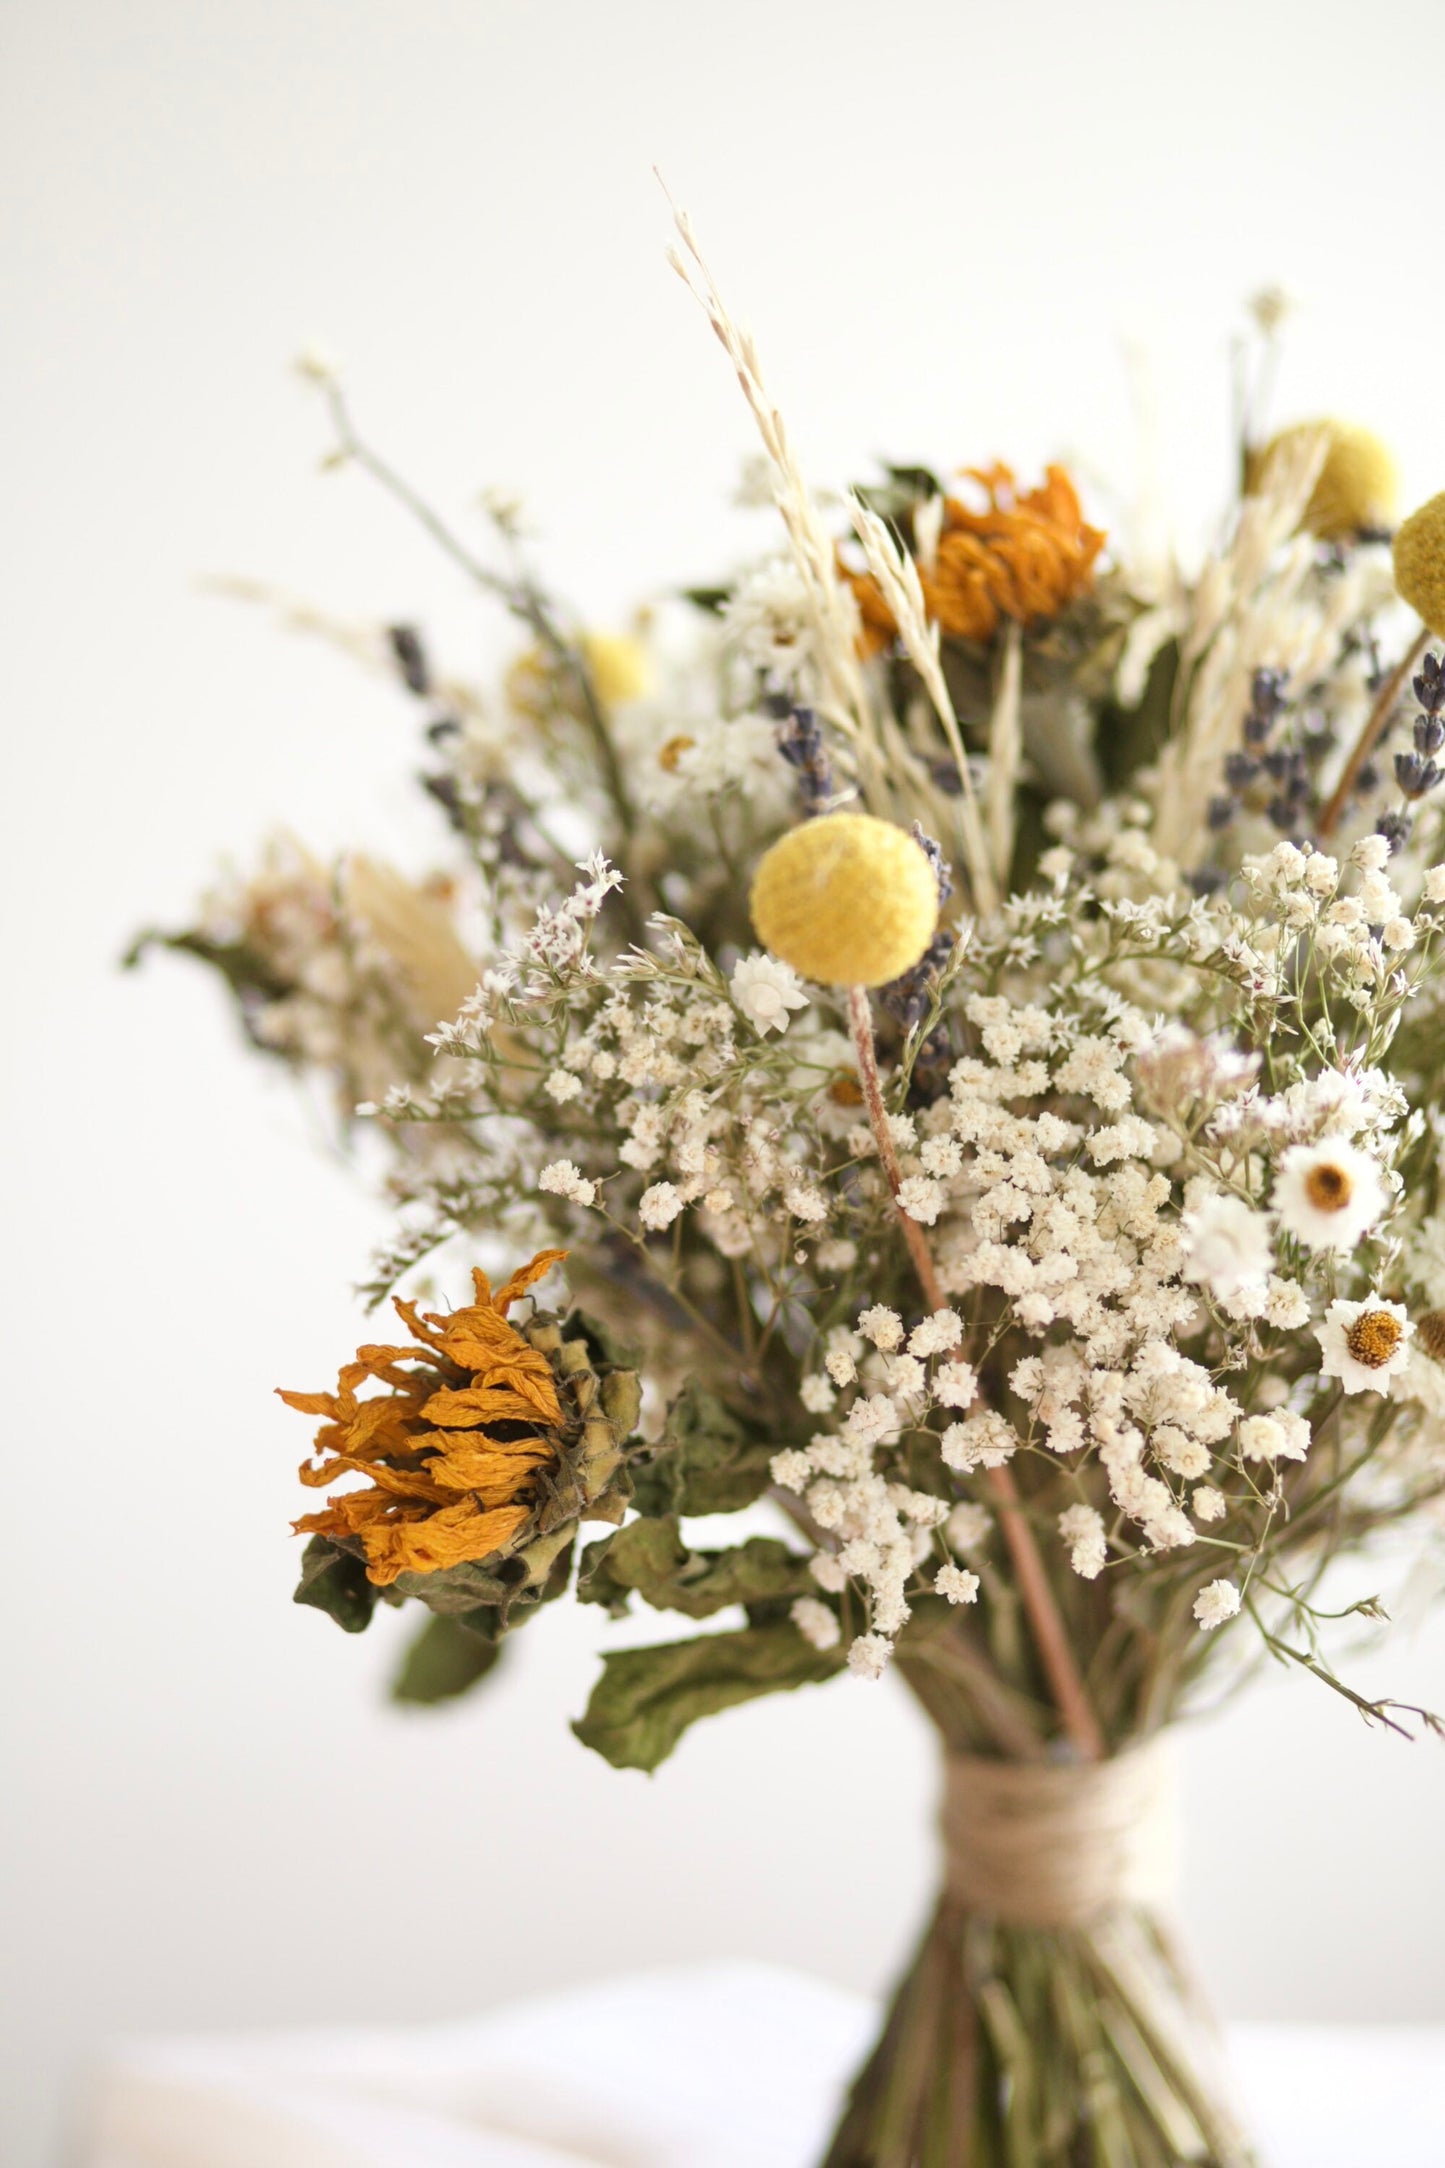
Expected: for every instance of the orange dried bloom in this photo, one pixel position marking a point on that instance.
(1027, 556)
(451, 1446)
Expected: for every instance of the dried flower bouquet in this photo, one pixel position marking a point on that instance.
(982, 1102)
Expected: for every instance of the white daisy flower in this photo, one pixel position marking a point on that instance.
(1328, 1194)
(1365, 1343)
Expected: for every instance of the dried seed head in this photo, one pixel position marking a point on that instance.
(1420, 562)
(847, 899)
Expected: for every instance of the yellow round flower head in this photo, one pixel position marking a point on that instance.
(619, 666)
(846, 899)
(1358, 486)
(1420, 563)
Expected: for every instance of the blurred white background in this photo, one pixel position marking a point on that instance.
(948, 223)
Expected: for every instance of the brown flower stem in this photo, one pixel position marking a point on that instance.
(1076, 1711)
(1375, 724)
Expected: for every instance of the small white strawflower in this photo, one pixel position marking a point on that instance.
(1216, 1602)
(765, 990)
(1226, 1245)
(816, 1623)
(1328, 1194)
(958, 1585)
(563, 1178)
(1365, 1343)
(1209, 1504)
(1083, 1530)
(868, 1656)
(817, 1395)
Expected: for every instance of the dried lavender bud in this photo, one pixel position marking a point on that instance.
(800, 741)
(1429, 734)
(410, 658)
(1395, 828)
(1206, 880)
(1414, 775)
(1368, 779)
(1278, 763)
(1240, 770)
(1281, 813)
(1221, 812)
(934, 854)
(1429, 686)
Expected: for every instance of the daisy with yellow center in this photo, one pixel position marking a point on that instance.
(1328, 1194)
(1365, 1343)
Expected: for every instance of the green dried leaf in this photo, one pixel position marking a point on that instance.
(709, 1460)
(335, 1582)
(650, 1559)
(445, 1659)
(646, 1698)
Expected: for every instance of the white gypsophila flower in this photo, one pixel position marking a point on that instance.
(1434, 889)
(986, 1440)
(1216, 1602)
(868, 1656)
(1371, 854)
(937, 1333)
(955, 1384)
(884, 1327)
(967, 1525)
(766, 990)
(1208, 1503)
(659, 1206)
(563, 1178)
(840, 1365)
(1083, 1530)
(873, 1421)
(1364, 1344)
(920, 1198)
(816, 1622)
(1282, 1435)
(1226, 1245)
(957, 1584)
(791, 1469)
(563, 1086)
(1328, 1194)
(817, 1395)
(828, 1572)
(837, 1254)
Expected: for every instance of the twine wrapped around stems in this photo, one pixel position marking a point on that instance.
(1059, 1844)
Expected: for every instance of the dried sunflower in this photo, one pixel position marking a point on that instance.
(1026, 556)
(487, 1440)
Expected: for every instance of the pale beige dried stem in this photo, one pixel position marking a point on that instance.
(902, 591)
(1375, 725)
(1005, 754)
(834, 613)
(1076, 1712)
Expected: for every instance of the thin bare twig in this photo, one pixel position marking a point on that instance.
(1375, 724)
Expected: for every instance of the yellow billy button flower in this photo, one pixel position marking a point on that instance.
(846, 899)
(1358, 486)
(1420, 563)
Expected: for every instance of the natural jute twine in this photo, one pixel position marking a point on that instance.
(1057, 1844)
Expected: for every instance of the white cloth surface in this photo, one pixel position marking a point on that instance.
(719, 2066)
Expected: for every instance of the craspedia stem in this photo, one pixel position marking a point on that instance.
(1076, 1712)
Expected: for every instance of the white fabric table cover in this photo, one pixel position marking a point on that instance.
(719, 2066)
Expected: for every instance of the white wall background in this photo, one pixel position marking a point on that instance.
(940, 217)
